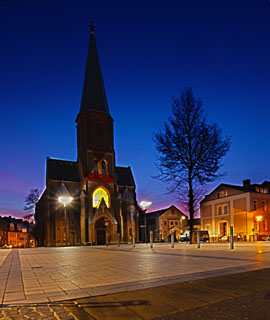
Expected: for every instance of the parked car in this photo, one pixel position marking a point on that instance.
(204, 236)
(185, 236)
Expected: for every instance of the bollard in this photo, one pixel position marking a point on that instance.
(133, 241)
(198, 239)
(151, 239)
(231, 237)
(172, 239)
(118, 239)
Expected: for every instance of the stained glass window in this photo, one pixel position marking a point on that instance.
(98, 194)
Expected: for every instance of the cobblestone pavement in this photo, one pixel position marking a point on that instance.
(37, 311)
(43, 275)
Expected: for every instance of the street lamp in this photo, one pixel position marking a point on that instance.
(259, 218)
(182, 218)
(145, 204)
(65, 201)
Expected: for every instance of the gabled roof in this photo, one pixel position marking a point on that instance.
(124, 176)
(62, 170)
(161, 211)
(246, 187)
(93, 95)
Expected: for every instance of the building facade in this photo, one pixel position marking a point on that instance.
(246, 208)
(103, 194)
(163, 223)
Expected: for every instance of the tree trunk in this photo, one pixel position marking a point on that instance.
(191, 210)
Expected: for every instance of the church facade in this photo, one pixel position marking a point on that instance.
(103, 195)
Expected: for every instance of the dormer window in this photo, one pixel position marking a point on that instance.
(218, 195)
(104, 167)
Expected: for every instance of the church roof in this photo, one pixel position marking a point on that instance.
(93, 95)
(124, 176)
(62, 170)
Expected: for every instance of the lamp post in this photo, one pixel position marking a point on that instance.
(145, 204)
(65, 201)
(259, 218)
(182, 218)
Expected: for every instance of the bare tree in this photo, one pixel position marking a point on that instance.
(190, 151)
(30, 201)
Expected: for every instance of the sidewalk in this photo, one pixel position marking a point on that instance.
(241, 296)
(238, 296)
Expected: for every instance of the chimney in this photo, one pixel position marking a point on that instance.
(246, 183)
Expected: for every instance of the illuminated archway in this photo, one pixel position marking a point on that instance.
(98, 194)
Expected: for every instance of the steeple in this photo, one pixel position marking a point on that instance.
(93, 95)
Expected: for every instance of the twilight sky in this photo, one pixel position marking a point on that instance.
(149, 51)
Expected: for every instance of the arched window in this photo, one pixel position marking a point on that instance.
(95, 166)
(98, 194)
(104, 167)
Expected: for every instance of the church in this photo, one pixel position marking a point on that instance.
(102, 204)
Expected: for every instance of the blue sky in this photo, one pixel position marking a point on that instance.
(149, 51)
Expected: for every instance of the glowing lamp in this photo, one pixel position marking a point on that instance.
(65, 200)
(259, 218)
(145, 204)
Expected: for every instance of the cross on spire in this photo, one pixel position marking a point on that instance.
(92, 27)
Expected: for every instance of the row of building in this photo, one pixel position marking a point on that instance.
(102, 196)
(16, 233)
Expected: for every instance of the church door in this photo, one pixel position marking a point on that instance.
(101, 236)
(100, 231)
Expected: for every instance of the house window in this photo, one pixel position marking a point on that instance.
(95, 166)
(219, 210)
(263, 205)
(176, 223)
(165, 223)
(255, 205)
(226, 193)
(225, 209)
(104, 167)
(218, 195)
(171, 223)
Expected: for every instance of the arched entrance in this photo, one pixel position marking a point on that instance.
(100, 229)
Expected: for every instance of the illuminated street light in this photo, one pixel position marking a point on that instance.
(182, 218)
(259, 218)
(145, 204)
(65, 201)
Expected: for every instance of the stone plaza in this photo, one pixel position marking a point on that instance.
(44, 275)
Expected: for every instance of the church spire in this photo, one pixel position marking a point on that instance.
(93, 95)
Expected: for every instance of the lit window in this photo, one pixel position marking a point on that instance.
(222, 194)
(104, 168)
(257, 189)
(98, 194)
(226, 193)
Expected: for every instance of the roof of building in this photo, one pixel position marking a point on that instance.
(246, 187)
(62, 170)
(93, 95)
(124, 176)
(161, 211)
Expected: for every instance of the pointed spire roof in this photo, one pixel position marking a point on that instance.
(93, 95)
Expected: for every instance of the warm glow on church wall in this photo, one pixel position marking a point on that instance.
(98, 194)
